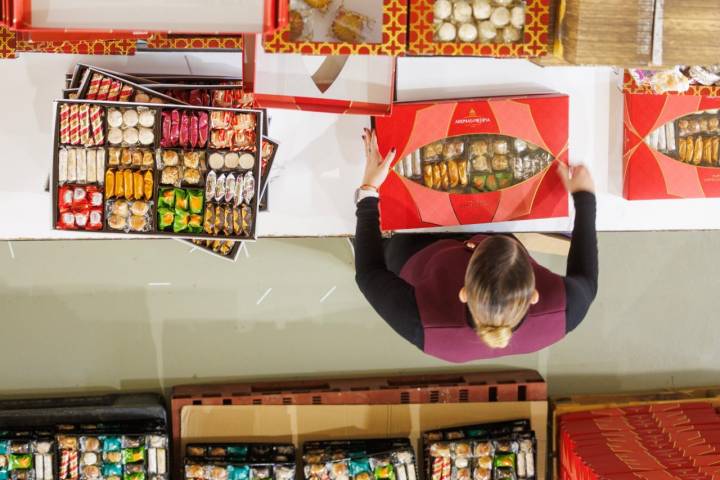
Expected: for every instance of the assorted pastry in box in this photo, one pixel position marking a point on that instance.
(474, 161)
(239, 461)
(342, 27)
(168, 170)
(105, 86)
(671, 146)
(497, 451)
(27, 458)
(387, 459)
(497, 28)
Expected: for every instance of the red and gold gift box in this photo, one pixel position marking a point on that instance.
(631, 86)
(540, 122)
(535, 41)
(650, 173)
(391, 25)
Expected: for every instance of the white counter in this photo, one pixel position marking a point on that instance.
(320, 160)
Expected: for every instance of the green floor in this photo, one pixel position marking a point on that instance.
(103, 316)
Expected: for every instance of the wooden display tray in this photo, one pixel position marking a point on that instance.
(580, 403)
(387, 407)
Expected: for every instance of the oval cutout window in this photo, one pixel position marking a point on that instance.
(693, 139)
(471, 164)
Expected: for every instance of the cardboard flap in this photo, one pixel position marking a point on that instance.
(328, 71)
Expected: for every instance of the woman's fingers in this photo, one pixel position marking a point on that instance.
(390, 157)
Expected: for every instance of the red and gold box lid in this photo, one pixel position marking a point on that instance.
(539, 122)
(653, 147)
(534, 41)
(381, 29)
(631, 86)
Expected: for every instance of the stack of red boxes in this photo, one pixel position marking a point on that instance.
(649, 442)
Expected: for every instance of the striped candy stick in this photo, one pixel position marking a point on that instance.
(64, 461)
(73, 464)
(94, 86)
(64, 123)
(446, 468)
(114, 93)
(125, 93)
(84, 114)
(104, 88)
(74, 125)
(96, 124)
(437, 468)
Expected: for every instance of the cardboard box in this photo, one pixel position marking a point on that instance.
(384, 32)
(358, 84)
(653, 172)
(82, 20)
(301, 423)
(535, 39)
(631, 86)
(540, 121)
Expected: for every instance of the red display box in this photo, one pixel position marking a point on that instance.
(75, 20)
(538, 121)
(655, 169)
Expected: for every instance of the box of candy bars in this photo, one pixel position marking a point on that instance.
(671, 146)
(383, 459)
(156, 169)
(27, 458)
(112, 457)
(496, 451)
(240, 461)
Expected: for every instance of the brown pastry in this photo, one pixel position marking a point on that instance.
(716, 150)
(698, 154)
(147, 160)
(432, 151)
(463, 172)
(125, 157)
(689, 149)
(684, 126)
(714, 124)
(437, 177)
(452, 150)
(682, 151)
(445, 177)
(321, 4)
(704, 127)
(707, 150)
(500, 163)
(428, 175)
(348, 26)
(480, 163)
(297, 25)
(137, 158)
(694, 126)
(453, 173)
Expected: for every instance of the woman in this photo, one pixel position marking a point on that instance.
(462, 297)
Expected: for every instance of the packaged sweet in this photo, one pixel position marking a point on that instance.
(216, 160)
(220, 188)
(170, 176)
(180, 223)
(229, 188)
(166, 218)
(248, 188)
(195, 201)
(111, 443)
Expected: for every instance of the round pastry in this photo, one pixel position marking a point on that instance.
(232, 160)
(510, 34)
(442, 9)
(140, 208)
(462, 449)
(196, 451)
(247, 161)
(131, 136)
(194, 471)
(484, 462)
(157, 100)
(517, 17)
(137, 223)
(115, 136)
(503, 3)
(483, 449)
(147, 118)
(467, 32)
(147, 136)
(114, 118)
(191, 176)
(500, 17)
(482, 474)
(216, 161)
(297, 25)
(170, 158)
(43, 447)
(130, 118)
(322, 4)
(339, 469)
(482, 9)
(92, 443)
(89, 458)
(462, 11)
(348, 26)
(91, 471)
(120, 208)
(461, 462)
(446, 32)
(117, 222)
(487, 30)
(141, 97)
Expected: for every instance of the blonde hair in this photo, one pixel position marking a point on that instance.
(499, 284)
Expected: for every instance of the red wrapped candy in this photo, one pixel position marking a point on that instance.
(95, 221)
(81, 217)
(104, 88)
(193, 131)
(195, 98)
(174, 128)
(203, 129)
(65, 198)
(166, 127)
(95, 197)
(185, 130)
(79, 198)
(114, 92)
(66, 221)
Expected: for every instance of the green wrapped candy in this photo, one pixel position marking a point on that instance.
(134, 476)
(182, 219)
(195, 197)
(22, 461)
(491, 184)
(479, 181)
(181, 199)
(236, 472)
(4, 445)
(167, 198)
(237, 452)
(384, 471)
(504, 179)
(132, 455)
(505, 460)
(195, 223)
(166, 217)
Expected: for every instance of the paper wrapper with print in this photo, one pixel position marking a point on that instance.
(541, 120)
(650, 174)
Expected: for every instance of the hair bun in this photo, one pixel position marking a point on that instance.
(495, 337)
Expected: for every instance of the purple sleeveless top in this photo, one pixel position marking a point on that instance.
(438, 273)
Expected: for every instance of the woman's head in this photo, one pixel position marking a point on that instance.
(499, 288)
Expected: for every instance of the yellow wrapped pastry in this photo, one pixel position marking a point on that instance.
(237, 225)
(119, 184)
(707, 150)
(319, 4)
(147, 160)
(109, 184)
(428, 175)
(125, 157)
(682, 152)
(219, 219)
(437, 177)
(462, 172)
(716, 150)
(690, 149)
(148, 185)
(445, 178)
(138, 186)
(137, 158)
(698, 155)
(209, 220)
(128, 178)
(453, 174)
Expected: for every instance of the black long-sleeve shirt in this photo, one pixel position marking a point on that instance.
(378, 263)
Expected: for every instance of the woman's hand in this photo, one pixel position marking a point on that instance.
(576, 178)
(376, 167)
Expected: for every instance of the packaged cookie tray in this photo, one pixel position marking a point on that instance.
(240, 461)
(167, 170)
(103, 85)
(476, 163)
(693, 139)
